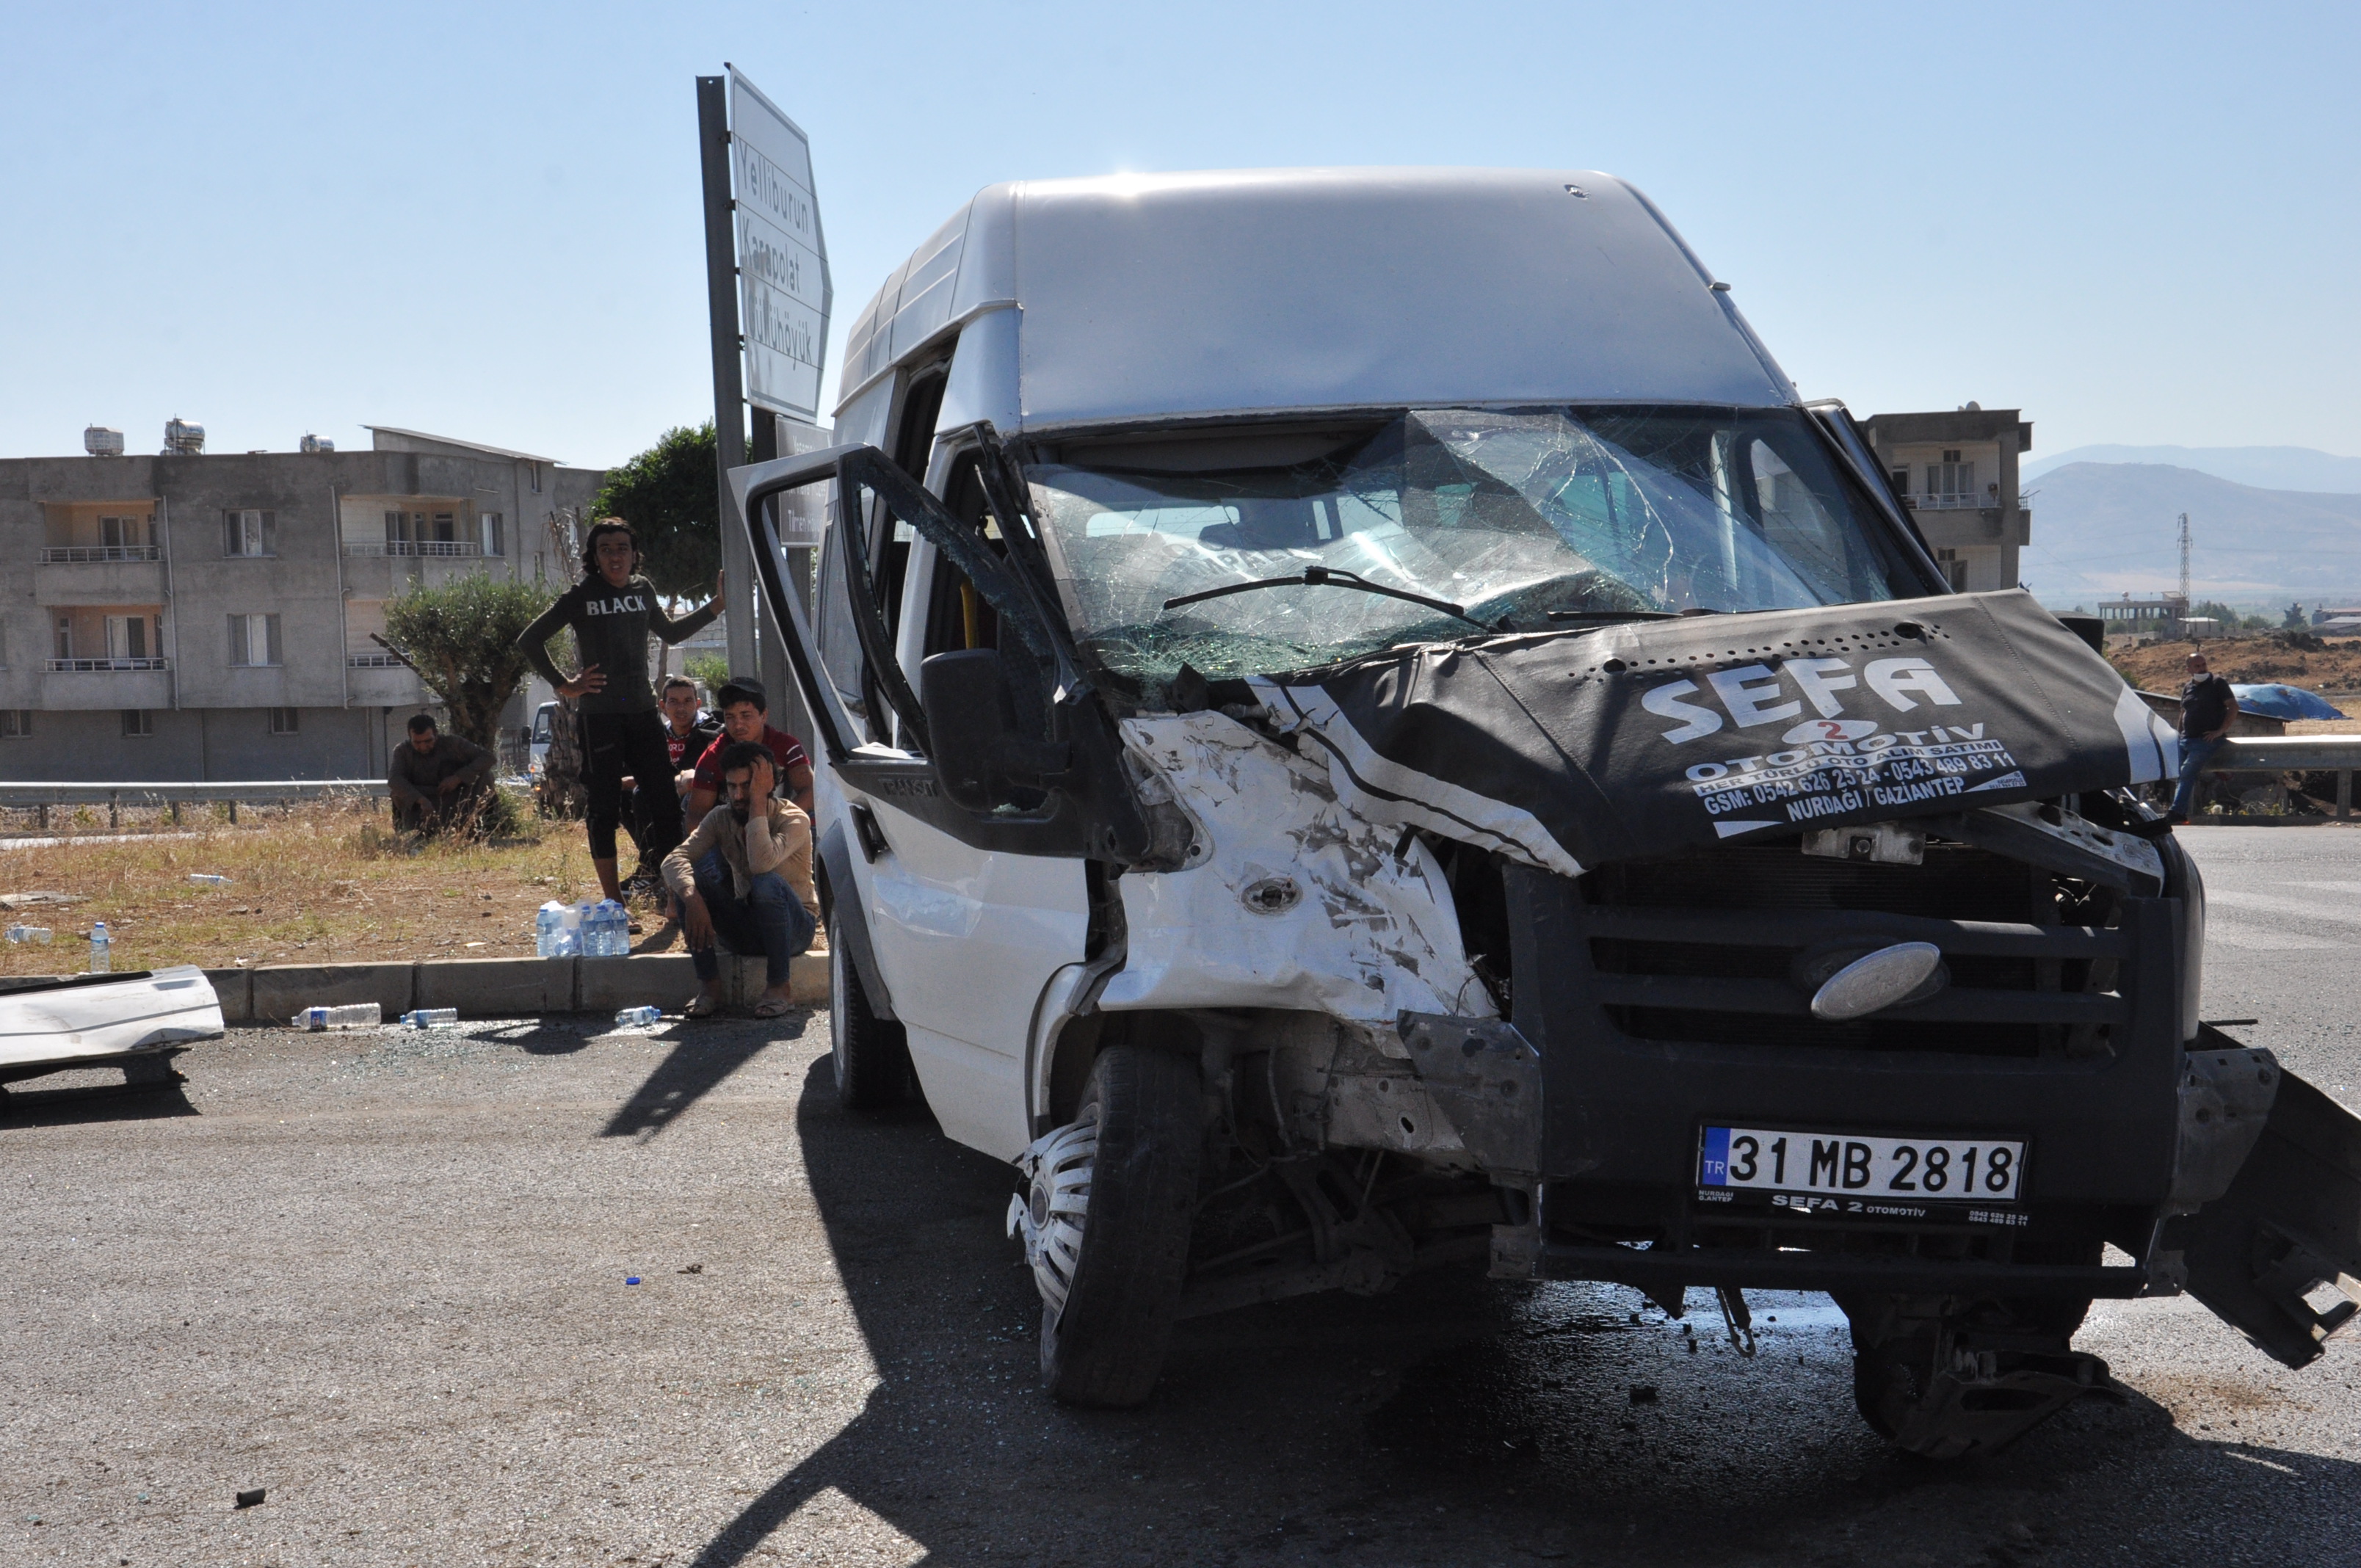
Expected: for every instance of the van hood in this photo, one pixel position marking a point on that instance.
(1571, 750)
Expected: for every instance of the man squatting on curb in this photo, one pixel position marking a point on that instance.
(611, 610)
(744, 876)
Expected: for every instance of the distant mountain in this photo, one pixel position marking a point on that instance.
(2265, 468)
(2104, 529)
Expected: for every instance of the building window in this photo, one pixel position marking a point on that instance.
(65, 638)
(15, 723)
(248, 532)
(125, 538)
(129, 636)
(1901, 477)
(494, 543)
(137, 723)
(1951, 480)
(283, 720)
(535, 469)
(253, 639)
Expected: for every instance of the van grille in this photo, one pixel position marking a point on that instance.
(1703, 948)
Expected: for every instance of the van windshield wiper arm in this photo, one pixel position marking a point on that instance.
(1323, 576)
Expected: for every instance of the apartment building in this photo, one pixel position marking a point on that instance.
(208, 616)
(1957, 472)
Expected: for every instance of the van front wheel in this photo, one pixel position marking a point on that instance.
(1123, 1251)
(872, 1055)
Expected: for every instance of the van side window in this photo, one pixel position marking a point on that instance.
(914, 438)
(957, 616)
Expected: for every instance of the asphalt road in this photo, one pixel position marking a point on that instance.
(384, 1278)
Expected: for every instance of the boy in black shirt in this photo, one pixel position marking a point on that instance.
(2207, 707)
(611, 612)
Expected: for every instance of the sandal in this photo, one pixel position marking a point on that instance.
(774, 1007)
(701, 1007)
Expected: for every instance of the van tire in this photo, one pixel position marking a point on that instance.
(871, 1054)
(1106, 1346)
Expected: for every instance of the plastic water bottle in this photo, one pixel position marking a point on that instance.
(592, 918)
(39, 933)
(349, 1016)
(432, 1017)
(209, 879)
(548, 930)
(614, 930)
(102, 957)
(637, 1017)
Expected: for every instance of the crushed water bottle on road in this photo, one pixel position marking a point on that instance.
(349, 1016)
(637, 1017)
(432, 1017)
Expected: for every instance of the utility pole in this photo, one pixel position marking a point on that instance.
(2184, 562)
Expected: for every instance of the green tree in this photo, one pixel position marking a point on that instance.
(667, 495)
(460, 637)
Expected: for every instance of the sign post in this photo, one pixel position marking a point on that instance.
(769, 293)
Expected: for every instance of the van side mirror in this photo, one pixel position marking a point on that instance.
(982, 758)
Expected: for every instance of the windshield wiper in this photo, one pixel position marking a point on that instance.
(1323, 576)
(1614, 615)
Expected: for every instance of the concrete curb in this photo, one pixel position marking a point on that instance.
(502, 988)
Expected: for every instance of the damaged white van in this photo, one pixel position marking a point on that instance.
(1363, 728)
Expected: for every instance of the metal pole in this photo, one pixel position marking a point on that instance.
(729, 384)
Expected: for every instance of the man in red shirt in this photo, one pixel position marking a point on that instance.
(745, 708)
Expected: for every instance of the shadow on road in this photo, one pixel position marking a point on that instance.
(77, 1105)
(701, 1059)
(1457, 1419)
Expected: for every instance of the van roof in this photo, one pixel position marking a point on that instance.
(1155, 296)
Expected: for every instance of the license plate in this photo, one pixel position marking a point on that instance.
(1983, 1171)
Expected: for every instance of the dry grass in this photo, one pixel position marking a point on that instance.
(314, 883)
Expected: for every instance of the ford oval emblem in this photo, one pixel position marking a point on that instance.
(1874, 981)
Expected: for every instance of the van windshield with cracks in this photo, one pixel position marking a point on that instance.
(1513, 514)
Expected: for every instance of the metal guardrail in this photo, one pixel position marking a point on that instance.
(2338, 754)
(115, 796)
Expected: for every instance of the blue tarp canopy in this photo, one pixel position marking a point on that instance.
(2276, 701)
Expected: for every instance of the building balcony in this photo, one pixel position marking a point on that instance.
(99, 574)
(418, 547)
(60, 554)
(389, 684)
(92, 684)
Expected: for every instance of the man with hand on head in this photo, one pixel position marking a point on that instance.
(744, 879)
(613, 611)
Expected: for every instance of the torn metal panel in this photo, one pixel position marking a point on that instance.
(1488, 1078)
(1571, 751)
(1298, 902)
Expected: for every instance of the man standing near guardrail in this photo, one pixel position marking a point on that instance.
(612, 610)
(437, 779)
(2207, 707)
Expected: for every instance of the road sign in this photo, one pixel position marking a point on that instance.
(783, 288)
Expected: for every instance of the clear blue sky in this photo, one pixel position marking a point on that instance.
(2136, 222)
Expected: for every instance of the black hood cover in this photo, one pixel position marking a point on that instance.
(1571, 750)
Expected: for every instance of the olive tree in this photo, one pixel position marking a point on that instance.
(460, 636)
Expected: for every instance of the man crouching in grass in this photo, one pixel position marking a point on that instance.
(760, 852)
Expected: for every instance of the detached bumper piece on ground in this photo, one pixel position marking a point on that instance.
(137, 1022)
